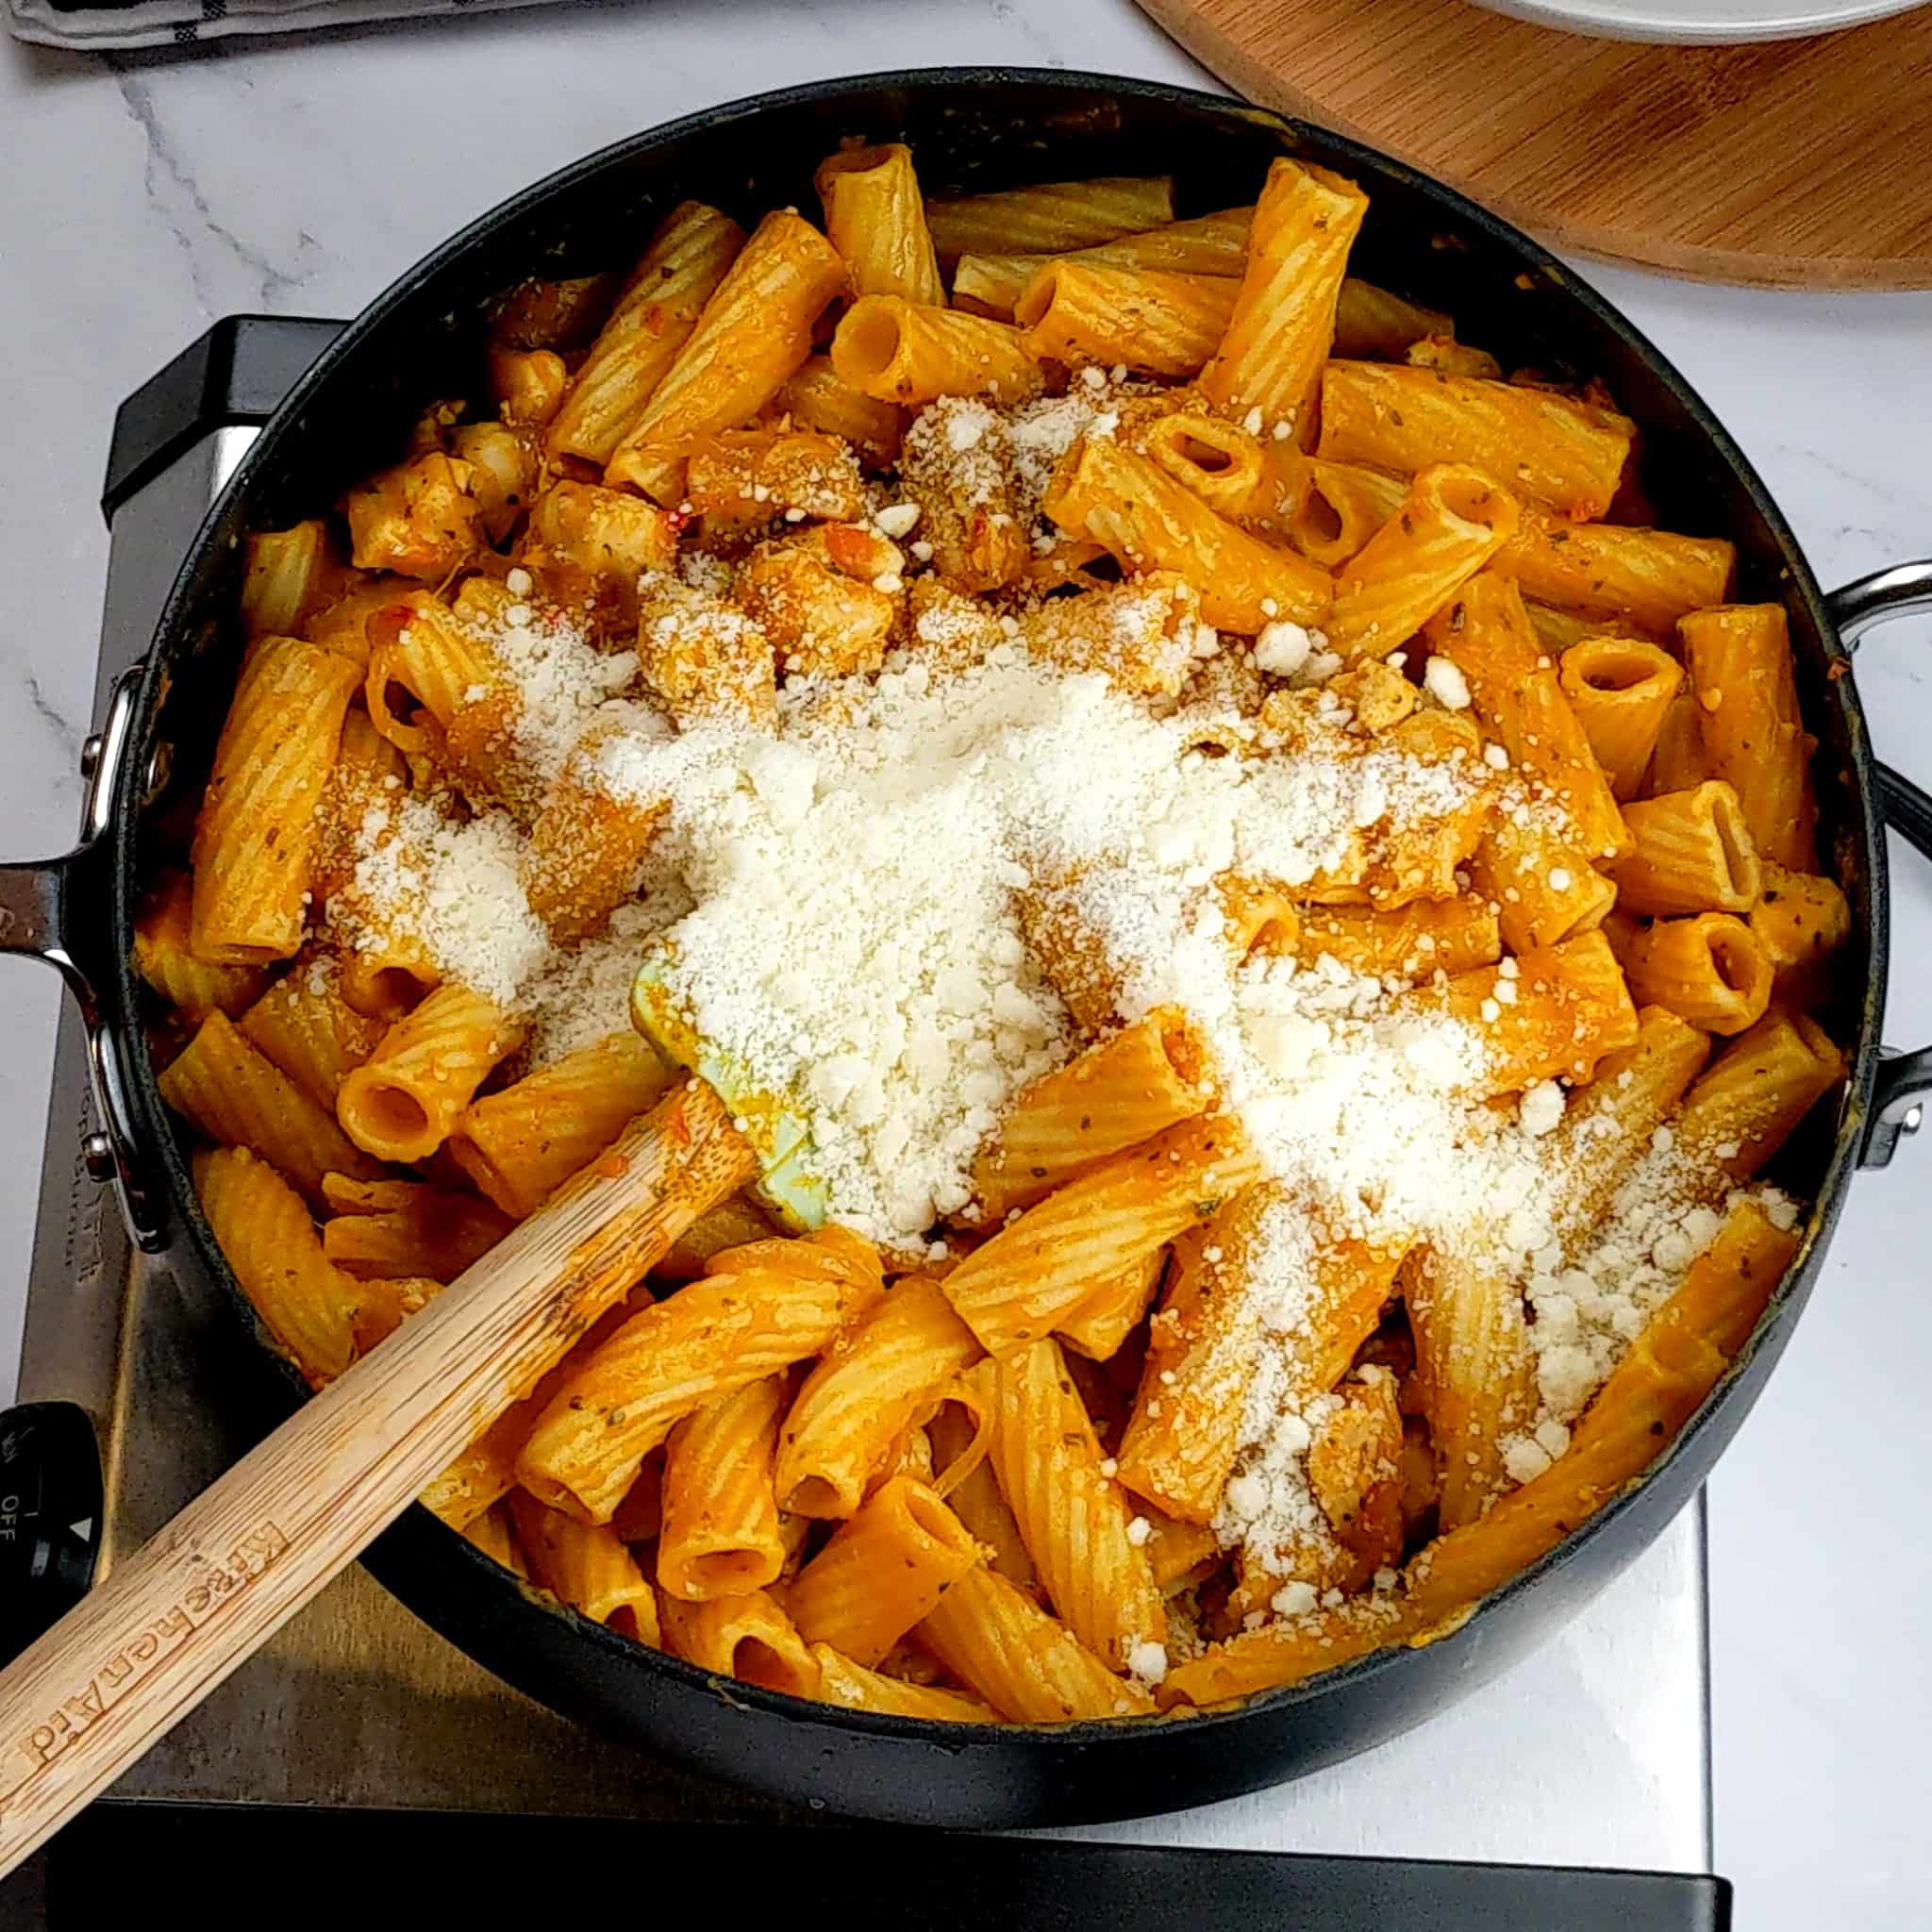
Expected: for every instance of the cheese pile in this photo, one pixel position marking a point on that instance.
(837, 904)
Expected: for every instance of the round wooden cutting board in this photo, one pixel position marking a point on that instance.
(1789, 164)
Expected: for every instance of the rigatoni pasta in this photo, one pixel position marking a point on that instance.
(309, 1304)
(1233, 472)
(677, 274)
(1709, 968)
(1074, 1519)
(719, 1531)
(1537, 1015)
(1749, 1101)
(1736, 1274)
(1050, 217)
(1450, 523)
(1029, 1667)
(1079, 312)
(749, 1637)
(1539, 880)
(758, 1310)
(239, 1098)
(843, 1682)
(587, 1567)
(897, 351)
(305, 1024)
(1485, 635)
(401, 1103)
(523, 1142)
(1102, 1322)
(1267, 368)
(755, 330)
(875, 218)
(1617, 574)
(992, 283)
(1150, 522)
(1739, 664)
(1474, 1361)
(1264, 928)
(1678, 763)
(165, 958)
(1146, 1077)
(401, 1229)
(288, 576)
(255, 836)
(1608, 1127)
(1620, 690)
(865, 1393)
(1565, 454)
(1341, 507)
(884, 1571)
(587, 849)
(1036, 1270)
(1801, 920)
(1412, 942)
(817, 397)
(424, 667)
(1693, 852)
(485, 1471)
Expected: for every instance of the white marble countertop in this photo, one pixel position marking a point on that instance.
(147, 194)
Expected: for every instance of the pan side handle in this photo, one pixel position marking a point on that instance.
(1904, 1082)
(60, 911)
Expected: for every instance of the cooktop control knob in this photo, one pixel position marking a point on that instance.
(50, 1517)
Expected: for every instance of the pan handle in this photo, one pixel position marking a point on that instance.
(1904, 1082)
(236, 373)
(60, 911)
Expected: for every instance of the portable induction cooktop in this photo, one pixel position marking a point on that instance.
(308, 1763)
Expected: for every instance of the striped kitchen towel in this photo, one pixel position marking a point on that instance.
(102, 24)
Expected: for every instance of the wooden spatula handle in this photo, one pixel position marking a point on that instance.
(202, 1594)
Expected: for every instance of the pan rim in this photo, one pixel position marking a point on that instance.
(1116, 1734)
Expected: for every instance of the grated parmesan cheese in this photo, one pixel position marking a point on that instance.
(561, 679)
(1043, 431)
(1445, 683)
(1282, 648)
(1589, 1308)
(453, 887)
(1540, 1108)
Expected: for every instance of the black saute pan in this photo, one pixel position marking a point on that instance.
(973, 128)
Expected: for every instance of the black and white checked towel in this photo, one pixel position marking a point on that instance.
(101, 24)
